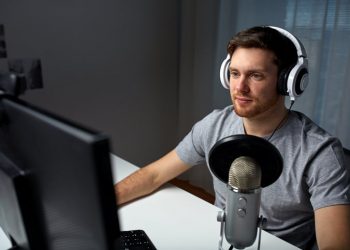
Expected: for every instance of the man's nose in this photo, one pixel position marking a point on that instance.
(240, 84)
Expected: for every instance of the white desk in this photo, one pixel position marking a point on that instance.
(174, 219)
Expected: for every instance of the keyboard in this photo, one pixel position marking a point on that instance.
(135, 240)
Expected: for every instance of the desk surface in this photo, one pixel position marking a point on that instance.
(174, 219)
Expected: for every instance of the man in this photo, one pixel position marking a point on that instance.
(311, 198)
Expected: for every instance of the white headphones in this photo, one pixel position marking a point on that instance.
(292, 81)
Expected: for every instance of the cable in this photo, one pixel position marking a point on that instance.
(281, 122)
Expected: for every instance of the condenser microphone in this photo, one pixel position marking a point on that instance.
(246, 163)
(243, 202)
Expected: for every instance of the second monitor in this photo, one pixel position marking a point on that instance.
(66, 169)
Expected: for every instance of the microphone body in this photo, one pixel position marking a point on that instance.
(243, 202)
(242, 217)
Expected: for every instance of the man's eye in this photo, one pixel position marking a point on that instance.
(256, 76)
(234, 74)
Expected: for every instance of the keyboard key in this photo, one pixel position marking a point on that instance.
(135, 240)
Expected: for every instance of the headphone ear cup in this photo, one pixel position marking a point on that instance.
(282, 84)
(297, 79)
(225, 72)
(293, 81)
(301, 81)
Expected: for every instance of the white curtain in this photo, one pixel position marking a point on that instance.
(324, 29)
(322, 26)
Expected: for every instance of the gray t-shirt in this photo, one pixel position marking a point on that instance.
(313, 176)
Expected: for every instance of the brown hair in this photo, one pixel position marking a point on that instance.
(269, 39)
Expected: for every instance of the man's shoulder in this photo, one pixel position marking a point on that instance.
(222, 119)
(314, 138)
(308, 127)
(221, 113)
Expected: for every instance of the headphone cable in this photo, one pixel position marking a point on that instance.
(281, 122)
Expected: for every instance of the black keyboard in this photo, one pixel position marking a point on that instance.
(135, 240)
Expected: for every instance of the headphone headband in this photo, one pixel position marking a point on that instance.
(301, 52)
(292, 81)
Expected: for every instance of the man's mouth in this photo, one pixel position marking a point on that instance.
(242, 100)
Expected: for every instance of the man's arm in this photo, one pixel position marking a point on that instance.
(149, 178)
(333, 227)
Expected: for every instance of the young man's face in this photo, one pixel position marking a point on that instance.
(253, 80)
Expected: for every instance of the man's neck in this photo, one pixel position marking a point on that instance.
(265, 123)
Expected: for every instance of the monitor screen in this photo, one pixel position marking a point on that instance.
(56, 186)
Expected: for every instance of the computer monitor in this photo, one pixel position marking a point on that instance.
(56, 186)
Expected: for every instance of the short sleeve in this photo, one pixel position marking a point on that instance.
(190, 149)
(328, 178)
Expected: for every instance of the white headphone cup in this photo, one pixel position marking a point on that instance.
(224, 73)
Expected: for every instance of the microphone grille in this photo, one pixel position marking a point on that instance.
(245, 173)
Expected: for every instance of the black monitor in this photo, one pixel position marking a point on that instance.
(56, 186)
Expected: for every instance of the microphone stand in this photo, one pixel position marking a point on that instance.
(221, 218)
(261, 224)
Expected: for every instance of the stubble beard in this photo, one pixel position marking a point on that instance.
(255, 108)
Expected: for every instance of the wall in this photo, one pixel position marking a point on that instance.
(110, 65)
